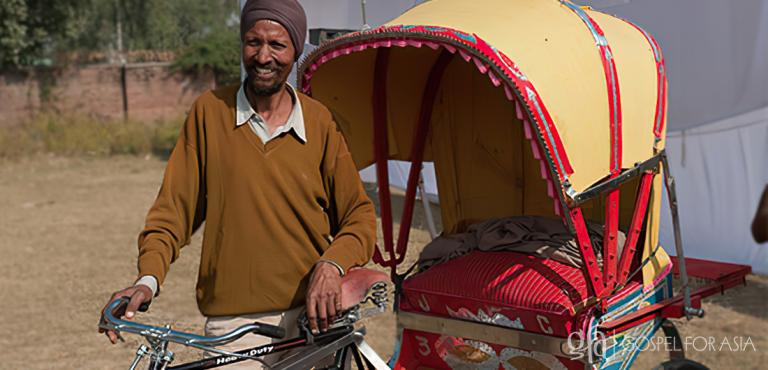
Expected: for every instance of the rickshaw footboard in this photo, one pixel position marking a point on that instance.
(720, 276)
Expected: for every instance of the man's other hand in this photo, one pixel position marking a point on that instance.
(323, 296)
(138, 294)
(760, 223)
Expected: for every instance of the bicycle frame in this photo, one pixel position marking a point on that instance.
(339, 341)
(335, 342)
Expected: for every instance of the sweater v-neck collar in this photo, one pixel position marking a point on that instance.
(239, 113)
(269, 146)
(244, 113)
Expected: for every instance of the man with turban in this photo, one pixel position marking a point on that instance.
(269, 172)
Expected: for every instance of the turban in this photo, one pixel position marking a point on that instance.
(288, 13)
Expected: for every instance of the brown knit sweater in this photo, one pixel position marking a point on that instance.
(271, 211)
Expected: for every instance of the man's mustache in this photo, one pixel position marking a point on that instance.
(270, 66)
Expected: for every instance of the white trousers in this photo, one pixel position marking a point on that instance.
(220, 325)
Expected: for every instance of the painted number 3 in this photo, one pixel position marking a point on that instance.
(424, 349)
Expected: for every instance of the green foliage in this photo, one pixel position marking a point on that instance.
(12, 31)
(35, 30)
(170, 24)
(77, 136)
(29, 27)
(218, 51)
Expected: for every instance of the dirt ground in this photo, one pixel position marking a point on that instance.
(69, 229)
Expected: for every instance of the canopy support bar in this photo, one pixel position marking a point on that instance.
(381, 155)
(397, 252)
(611, 183)
(688, 309)
(630, 245)
(417, 148)
(591, 269)
(427, 207)
(610, 233)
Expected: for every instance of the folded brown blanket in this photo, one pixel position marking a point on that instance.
(541, 236)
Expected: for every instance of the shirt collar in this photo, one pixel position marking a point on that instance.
(295, 121)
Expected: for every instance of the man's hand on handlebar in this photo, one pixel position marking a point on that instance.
(323, 296)
(137, 294)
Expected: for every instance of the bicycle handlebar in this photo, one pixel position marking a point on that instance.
(110, 322)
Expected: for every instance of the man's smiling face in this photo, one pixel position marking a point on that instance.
(268, 56)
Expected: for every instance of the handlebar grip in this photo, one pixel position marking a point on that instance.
(144, 307)
(271, 331)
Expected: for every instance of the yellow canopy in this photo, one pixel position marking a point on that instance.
(532, 89)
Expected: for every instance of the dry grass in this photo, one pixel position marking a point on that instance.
(71, 135)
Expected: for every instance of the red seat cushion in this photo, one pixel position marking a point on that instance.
(501, 288)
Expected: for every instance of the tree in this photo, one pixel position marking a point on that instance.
(172, 24)
(12, 29)
(33, 30)
(28, 28)
(218, 50)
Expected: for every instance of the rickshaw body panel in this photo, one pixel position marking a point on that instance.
(422, 351)
(507, 289)
(438, 349)
(623, 347)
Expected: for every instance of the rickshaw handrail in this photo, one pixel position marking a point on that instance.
(610, 184)
(674, 307)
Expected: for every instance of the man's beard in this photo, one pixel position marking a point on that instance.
(267, 91)
(260, 90)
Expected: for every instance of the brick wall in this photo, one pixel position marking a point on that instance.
(154, 92)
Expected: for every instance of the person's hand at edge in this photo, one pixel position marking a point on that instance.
(760, 223)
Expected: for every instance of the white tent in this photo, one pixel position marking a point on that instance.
(347, 14)
(717, 62)
(720, 168)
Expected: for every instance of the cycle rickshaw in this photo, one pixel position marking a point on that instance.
(536, 108)
(528, 107)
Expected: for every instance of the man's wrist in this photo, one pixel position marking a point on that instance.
(334, 264)
(150, 282)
